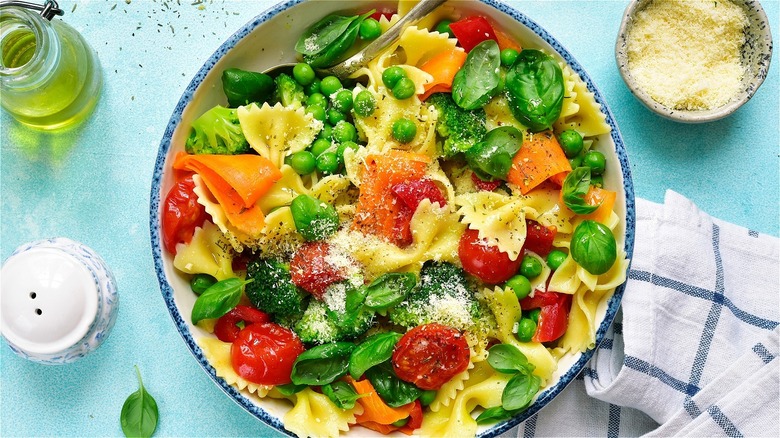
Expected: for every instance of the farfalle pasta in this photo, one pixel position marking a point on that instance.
(399, 247)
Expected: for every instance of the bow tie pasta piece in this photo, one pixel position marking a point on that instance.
(283, 191)
(207, 253)
(499, 218)
(314, 415)
(217, 353)
(542, 205)
(277, 131)
(580, 110)
(447, 393)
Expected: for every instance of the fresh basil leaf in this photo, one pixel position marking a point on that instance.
(333, 51)
(342, 394)
(394, 391)
(356, 297)
(373, 351)
(323, 33)
(575, 187)
(243, 87)
(139, 412)
(593, 247)
(520, 391)
(492, 157)
(506, 358)
(322, 364)
(314, 219)
(480, 77)
(218, 299)
(356, 317)
(389, 289)
(535, 89)
(494, 415)
(290, 388)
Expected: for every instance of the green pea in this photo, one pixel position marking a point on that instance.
(369, 29)
(303, 74)
(427, 397)
(343, 147)
(303, 162)
(401, 423)
(344, 131)
(531, 267)
(317, 99)
(534, 315)
(326, 132)
(404, 89)
(364, 104)
(317, 112)
(571, 142)
(200, 282)
(508, 57)
(392, 75)
(342, 101)
(597, 180)
(404, 130)
(328, 163)
(312, 88)
(596, 161)
(556, 258)
(330, 85)
(520, 285)
(319, 146)
(335, 116)
(444, 27)
(526, 330)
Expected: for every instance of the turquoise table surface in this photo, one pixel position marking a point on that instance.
(93, 184)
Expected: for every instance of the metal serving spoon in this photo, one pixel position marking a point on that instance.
(364, 56)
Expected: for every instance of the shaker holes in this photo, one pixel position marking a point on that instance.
(38, 311)
(33, 295)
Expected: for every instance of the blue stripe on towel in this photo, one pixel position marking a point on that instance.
(530, 427)
(723, 421)
(613, 427)
(653, 371)
(763, 353)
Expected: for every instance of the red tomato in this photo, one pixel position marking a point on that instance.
(265, 353)
(539, 239)
(487, 186)
(415, 419)
(384, 12)
(181, 214)
(410, 194)
(471, 31)
(430, 355)
(310, 269)
(226, 328)
(554, 314)
(485, 261)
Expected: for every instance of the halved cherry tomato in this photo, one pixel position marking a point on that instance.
(310, 269)
(485, 261)
(487, 186)
(181, 214)
(471, 31)
(410, 194)
(226, 327)
(554, 314)
(430, 355)
(539, 239)
(383, 12)
(264, 353)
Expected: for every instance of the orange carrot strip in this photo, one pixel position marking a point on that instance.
(443, 67)
(374, 408)
(559, 178)
(539, 158)
(505, 41)
(606, 198)
(384, 429)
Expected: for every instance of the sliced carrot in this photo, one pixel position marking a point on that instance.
(443, 67)
(559, 178)
(237, 182)
(377, 208)
(538, 159)
(505, 41)
(606, 198)
(384, 429)
(374, 408)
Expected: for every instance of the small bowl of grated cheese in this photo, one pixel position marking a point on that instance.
(694, 61)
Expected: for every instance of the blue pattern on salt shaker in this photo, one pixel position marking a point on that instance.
(49, 264)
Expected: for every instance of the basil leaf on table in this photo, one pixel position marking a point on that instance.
(322, 364)
(520, 391)
(575, 187)
(342, 394)
(139, 412)
(218, 299)
(373, 351)
(389, 289)
(508, 359)
(593, 247)
(535, 89)
(493, 415)
(480, 77)
(492, 157)
(394, 391)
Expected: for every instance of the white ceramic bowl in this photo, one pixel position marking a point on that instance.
(257, 46)
(756, 55)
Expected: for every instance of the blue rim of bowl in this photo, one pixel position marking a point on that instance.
(167, 291)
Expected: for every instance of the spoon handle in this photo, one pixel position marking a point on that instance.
(356, 61)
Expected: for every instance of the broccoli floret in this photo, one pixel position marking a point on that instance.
(460, 128)
(288, 91)
(321, 323)
(443, 296)
(217, 131)
(272, 289)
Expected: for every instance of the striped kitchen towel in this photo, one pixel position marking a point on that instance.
(695, 350)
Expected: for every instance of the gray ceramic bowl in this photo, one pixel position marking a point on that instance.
(756, 54)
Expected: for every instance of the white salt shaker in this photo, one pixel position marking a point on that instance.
(58, 301)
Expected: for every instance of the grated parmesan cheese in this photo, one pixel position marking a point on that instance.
(687, 54)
